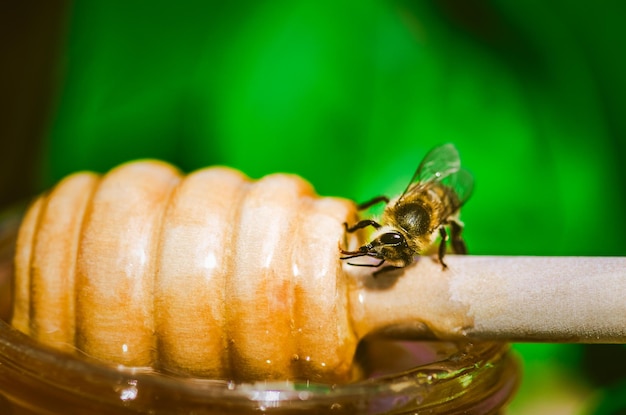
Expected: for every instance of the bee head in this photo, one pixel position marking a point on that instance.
(392, 238)
(390, 245)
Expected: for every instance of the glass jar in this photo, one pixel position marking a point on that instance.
(400, 377)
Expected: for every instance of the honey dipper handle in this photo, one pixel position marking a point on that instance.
(553, 299)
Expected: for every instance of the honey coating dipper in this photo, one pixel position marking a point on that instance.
(214, 275)
(208, 274)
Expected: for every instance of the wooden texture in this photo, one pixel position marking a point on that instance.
(211, 274)
(547, 299)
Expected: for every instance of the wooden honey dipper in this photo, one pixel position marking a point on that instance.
(214, 275)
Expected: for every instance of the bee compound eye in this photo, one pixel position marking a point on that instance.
(391, 238)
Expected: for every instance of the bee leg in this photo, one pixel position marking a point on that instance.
(364, 265)
(385, 269)
(458, 244)
(372, 202)
(442, 246)
(366, 222)
(361, 224)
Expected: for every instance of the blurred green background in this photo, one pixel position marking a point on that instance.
(350, 95)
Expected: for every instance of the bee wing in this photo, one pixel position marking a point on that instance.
(440, 163)
(462, 184)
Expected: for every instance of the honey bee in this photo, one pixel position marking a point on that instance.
(412, 221)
